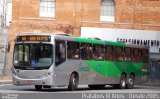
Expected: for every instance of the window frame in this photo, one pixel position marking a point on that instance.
(45, 5)
(106, 10)
(58, 58)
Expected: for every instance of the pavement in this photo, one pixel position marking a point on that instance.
(5, 79)
(155, 82)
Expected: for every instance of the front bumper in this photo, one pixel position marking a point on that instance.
(41, 81)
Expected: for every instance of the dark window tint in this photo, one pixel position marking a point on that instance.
(145, 55)
(119, 53)
(60, 52)
(109, 53)
(73, 51)
(136, 55)
(98, 52)
(86, 51)
(127, 54)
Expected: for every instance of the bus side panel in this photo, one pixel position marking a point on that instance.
(142, 72)
(64, 70)
(97, 72)
(108, 72)
(102, 72)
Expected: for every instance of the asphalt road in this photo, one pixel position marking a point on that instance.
(9, 91)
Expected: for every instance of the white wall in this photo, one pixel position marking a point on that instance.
(9, 13)
(5, 12)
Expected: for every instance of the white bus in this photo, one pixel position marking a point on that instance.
(48, 60)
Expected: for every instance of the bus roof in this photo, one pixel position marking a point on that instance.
(86, 40)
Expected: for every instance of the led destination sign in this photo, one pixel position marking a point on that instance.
(34, 38)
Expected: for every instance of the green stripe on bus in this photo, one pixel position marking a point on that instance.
(115, 43)
(114, 69)
(86, 40)
(94, 41)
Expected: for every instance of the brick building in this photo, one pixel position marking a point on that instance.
(70, 15)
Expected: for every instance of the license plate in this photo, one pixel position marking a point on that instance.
(30, 82)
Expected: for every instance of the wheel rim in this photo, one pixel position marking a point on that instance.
(123, 83)
(74, 81)
(130, 81)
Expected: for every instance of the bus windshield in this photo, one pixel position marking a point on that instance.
(32, 56)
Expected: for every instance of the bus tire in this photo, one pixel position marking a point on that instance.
(38, 87)
(73, 82)
(130, 81)
(122, 84)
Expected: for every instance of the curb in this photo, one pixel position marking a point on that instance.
(151, 84)
(5, 81)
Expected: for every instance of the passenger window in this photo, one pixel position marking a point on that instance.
(98, 52)
(145, 55)
(119, 53)
(73, 51)
(109, 53)
(136, 55)
(127, 54)
(60, 52)
(86, 51)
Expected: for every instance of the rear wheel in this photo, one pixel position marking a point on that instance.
(130, 81)
(38, 87)
(73, 82)
(122, 84)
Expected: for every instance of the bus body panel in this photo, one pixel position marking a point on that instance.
(40, 81)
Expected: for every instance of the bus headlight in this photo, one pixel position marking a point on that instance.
(14, 72)
(47, 74)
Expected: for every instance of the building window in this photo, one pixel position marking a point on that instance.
(9, 13)
(107, 12)
(47, 8)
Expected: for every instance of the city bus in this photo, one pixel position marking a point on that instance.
(50, 60)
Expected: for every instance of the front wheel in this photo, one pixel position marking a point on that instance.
(73, 82)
